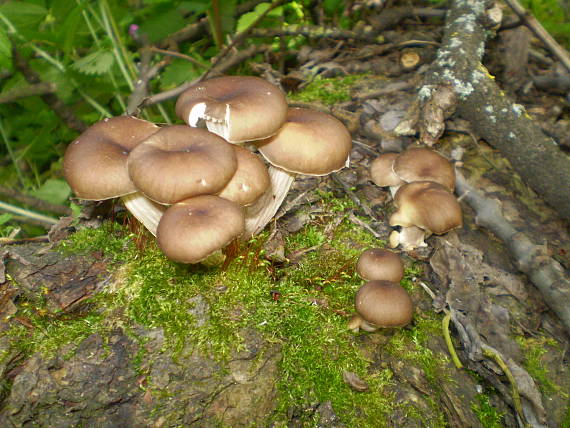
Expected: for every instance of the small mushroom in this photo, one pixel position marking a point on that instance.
(423, 164)
(310, 143)
(380, 264)
(237, 108)
(382, 304)
(192, 230)
(428, 206)
(95, 165)
(382, 173)
(179, 162)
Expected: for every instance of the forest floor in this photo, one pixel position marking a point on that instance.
(102, 330)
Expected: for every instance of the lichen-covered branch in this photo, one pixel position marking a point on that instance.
(503, 124)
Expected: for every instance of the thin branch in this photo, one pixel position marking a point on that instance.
(546, 274)
(232, 61)
(33, 217)
(240, 38)
(178, 55)
(15, 94)
(314, 32)
(33, 202)
(531, 22)
(196, 28)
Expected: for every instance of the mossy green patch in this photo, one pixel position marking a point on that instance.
(303, 307)
(534, 349)
(327, 91)
(487, 414)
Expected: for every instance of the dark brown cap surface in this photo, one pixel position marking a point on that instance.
(191, 230)
(179, 162)
(238, 108)
(380, 264)
(95, 164)
(427, 205)
(310, 142)
(384, 304)
(423, 164)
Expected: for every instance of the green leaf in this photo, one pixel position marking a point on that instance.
(161, 25)
(178, 72)
(5, 50)
(5, 218)
(247, 18)
(97, 63)
(53, 190)
(22, 15)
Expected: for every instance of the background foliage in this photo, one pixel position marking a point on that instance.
(90, 51)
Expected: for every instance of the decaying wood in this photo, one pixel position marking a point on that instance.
(545, 273)
(503, 124)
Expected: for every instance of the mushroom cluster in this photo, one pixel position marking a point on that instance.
(381, 302)
(196, 190)
(422, 183)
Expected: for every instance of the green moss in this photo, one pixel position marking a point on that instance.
(327, 91)
(534, 348)
(488, 415)
(303, 307)
(411, 344)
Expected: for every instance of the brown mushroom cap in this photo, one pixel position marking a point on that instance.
(191, 230)
(380, 264)
(95, 164)
(427, 205)
(384, 304)
(382, 173)
(250, 180)
(423, 164)
(310, 142)
(238, 108)
(179, 162)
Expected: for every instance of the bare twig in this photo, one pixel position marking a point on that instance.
(539, 31)
(196, 28)
(147, 72)
(313, 32)
(27, 216)
(240, 38)
(545, 273)
(15, 94)
(33, 202)
(230, 62)
(177, 55)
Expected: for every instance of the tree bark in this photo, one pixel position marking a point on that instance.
(503, 124)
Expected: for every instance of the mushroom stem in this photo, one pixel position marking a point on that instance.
(409, 238)
(144, 210)
(262, 211)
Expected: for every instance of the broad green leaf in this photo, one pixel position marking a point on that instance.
(53, 190)
(163, 24)
(178, 72)
(97, 63)
(5, 50)
(247, 19)
(5, 218)
(195, 6)
(24, 16)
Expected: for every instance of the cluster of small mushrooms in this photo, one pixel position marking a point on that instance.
(197, 190)
(381, 302)
(422, 183)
